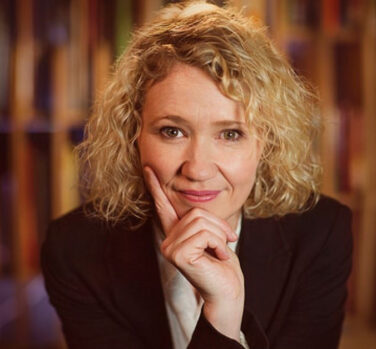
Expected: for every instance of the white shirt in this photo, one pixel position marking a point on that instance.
(183, 304)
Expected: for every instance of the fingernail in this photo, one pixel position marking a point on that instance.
(148, 175)
(146, 170)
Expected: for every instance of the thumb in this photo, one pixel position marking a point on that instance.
(165, 210)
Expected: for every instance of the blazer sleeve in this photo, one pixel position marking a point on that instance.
(206, 336)
(85, 324)
(316, 314)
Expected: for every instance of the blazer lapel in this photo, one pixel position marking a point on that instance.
(136, 285)
(265, 258)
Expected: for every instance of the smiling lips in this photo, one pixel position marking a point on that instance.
(199, 196)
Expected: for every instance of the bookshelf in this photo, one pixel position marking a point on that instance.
(56, 58)
(332, 44)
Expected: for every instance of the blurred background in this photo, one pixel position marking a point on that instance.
(55, 56)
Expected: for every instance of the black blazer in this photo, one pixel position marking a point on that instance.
(104, 282)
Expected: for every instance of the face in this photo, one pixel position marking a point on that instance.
(198, 143)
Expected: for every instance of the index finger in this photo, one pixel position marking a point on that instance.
(165, 210)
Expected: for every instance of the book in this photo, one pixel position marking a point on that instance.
(40, 176)
(7, 37)
(330, 16)
(6, 200)
(347, 67)
(123, 25)
(304, 13)
(301, 54)
(51, 31)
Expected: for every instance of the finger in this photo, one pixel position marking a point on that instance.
(202, 216)
(206, 242)
(165, 210)
(196, 247)
(179, 234)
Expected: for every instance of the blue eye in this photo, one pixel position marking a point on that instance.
(171, 132)
(231, 135)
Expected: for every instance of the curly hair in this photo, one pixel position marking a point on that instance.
(236, 52)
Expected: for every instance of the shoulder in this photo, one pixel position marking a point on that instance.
(81, 226)
(326, 210)
(321, 217)
(75, 228)
(80, 238)
(327, 226)
(304, 235)
(75, 239)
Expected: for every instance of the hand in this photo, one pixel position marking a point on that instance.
(197, 245)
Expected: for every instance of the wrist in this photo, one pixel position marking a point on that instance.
(225, 317)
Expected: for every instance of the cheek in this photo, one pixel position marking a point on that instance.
(163, 162)
(241, 174)
(244, 168)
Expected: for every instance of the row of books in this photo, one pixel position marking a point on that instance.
(347, 68)
(74, 43)
(330, 15)
(37, 163)
(348, 81)
(71, 45)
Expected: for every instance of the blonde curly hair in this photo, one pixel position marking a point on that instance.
(235, 51)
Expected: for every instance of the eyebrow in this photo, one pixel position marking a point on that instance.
(222, 123)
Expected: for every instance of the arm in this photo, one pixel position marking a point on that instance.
(316, 313)
(196, 244)
(85, 323)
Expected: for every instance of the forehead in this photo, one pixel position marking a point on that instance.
(191, 93)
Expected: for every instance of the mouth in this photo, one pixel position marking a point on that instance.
(199, 195)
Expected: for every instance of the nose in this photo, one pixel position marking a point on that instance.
(199, 163)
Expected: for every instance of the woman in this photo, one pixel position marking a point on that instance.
(204, 226)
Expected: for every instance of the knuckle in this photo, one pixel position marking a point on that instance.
(196, 211)
(223, 237)
(199, 221)
(175, 256)
(165, 248)
(202, 233)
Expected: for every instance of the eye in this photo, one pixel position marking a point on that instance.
(231, 135)
(171, 132)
